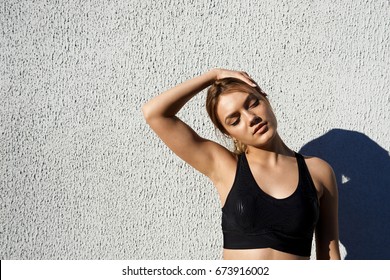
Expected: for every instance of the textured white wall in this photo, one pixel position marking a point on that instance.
(83, 177)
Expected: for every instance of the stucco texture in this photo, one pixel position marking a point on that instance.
(84, 177)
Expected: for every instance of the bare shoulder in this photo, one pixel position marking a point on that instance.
(322, 174)
(318, 165)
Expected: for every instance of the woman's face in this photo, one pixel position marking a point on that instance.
(248, 118)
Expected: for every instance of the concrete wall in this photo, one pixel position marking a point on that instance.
(83, 177)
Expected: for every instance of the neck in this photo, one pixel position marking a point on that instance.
(271, 152)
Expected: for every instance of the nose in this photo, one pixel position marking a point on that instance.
(253, 118)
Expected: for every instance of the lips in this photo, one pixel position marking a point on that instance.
(261, 128)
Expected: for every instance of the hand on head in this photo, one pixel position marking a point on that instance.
(225, 73)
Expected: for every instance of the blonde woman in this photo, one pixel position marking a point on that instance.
(273, 198)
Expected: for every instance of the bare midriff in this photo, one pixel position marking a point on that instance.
(259, 254)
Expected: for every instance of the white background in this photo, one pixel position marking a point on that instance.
(83, 176)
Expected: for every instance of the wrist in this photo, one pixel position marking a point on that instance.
(213, 74)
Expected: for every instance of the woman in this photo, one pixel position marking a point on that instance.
(273, 199)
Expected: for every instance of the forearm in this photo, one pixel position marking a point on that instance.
(171, 101)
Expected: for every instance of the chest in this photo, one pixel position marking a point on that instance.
(283, 200)
(278, 182)
(250, 209)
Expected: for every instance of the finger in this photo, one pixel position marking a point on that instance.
(248, 79)
(250, 82)
(245, 74)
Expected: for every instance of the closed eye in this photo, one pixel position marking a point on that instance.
(254, 103)
(235, 122)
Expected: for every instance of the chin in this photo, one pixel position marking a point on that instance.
(267, 138)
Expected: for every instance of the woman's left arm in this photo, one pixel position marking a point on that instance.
(327, 230)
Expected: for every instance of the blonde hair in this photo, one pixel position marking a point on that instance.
(224, 86)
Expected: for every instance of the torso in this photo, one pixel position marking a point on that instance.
(259, 254)
(278, 181)
(287, 182)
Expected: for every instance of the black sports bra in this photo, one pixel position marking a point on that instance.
(253, 219)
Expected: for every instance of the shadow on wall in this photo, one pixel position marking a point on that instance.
(362, 171)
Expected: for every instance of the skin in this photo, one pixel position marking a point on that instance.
(272, 163)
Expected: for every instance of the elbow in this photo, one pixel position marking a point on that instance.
(146, 112)
(152, 112)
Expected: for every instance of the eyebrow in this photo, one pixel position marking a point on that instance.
(246, 102)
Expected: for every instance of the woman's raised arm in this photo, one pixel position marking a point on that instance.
(160, 113)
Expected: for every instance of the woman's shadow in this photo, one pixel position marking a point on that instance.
(362, 171)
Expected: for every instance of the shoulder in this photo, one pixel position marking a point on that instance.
(322, 174)
(318, 165)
